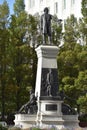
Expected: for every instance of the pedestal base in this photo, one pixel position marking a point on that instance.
(71, 121)
(66, 122)
(46, 90)
(49, 114)
(25, 120)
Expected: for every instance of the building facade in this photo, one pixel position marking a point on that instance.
(62, 8)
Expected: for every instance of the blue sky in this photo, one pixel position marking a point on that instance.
(10, 3)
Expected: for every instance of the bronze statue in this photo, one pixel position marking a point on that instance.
(45, 26)
(30, 107)
(49, 83)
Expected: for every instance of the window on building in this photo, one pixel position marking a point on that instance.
(41, 1)
(64, 4)
(32, 3)
(56, 7)
(49, 9)
(72, 2)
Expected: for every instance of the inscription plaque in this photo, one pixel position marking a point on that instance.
(51, 107)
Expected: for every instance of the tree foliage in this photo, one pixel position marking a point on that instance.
(22, 56)
(19, 6)
(72, 65)
(84, 8)
(83, 22)
(4, 58)
(81, 85)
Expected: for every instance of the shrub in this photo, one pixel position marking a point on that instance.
(83, 118)
(35, 128)
(14, 128)
(27, 129)
(2, 127)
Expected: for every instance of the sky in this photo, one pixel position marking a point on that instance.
(10, 3)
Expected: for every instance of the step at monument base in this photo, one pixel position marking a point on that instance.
(25, 120)
(46, 121)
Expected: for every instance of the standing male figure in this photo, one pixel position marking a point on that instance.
(45, 26)
(49, 81)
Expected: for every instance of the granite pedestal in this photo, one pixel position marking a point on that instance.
(49, 103)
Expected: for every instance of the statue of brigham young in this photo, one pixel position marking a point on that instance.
(45, 25)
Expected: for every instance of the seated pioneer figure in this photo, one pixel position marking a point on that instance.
(30, 107)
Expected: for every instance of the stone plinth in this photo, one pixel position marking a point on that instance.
(49, 103)
(70, 121)
(49, 113)
(25, 120)
(46, 61)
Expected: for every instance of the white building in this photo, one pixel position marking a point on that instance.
(62, 8)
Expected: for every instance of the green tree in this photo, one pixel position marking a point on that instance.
(22, 71)
(68, 63)
(80, 81)
(20, 53)
(19, 6)
(56, 31)
(81, 85)
(83, 24)
(84, 9)
(4, 58)
(72, 62)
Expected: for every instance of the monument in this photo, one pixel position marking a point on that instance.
(50, 108)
